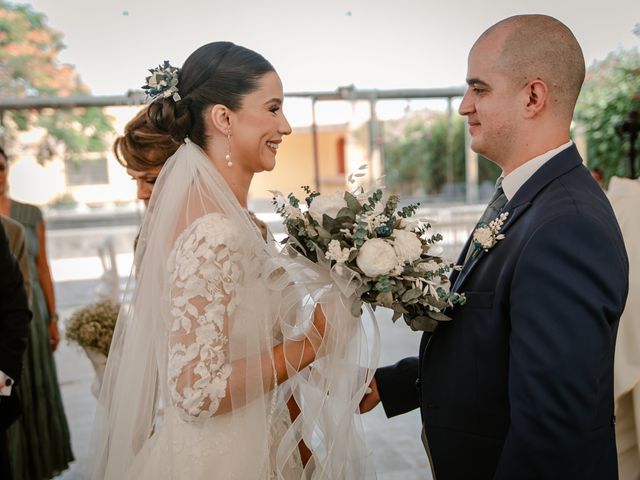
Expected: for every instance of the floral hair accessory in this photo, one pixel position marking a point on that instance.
(163, 82)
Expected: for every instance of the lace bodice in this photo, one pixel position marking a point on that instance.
(205, 270)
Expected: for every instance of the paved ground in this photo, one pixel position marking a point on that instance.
(395, 443)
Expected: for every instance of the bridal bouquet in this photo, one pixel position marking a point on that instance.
(393, 255)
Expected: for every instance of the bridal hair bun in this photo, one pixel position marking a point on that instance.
(173, 118)
(163, 82)
(218, 73)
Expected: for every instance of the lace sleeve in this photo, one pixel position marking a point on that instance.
(204, 271)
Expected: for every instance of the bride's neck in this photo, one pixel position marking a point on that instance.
(238, 179)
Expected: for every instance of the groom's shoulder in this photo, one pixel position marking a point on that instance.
(573, 192)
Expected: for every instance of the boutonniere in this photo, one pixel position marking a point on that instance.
(486, 236)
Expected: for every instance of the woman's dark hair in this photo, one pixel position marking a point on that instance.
(216, 73)
(143, 146)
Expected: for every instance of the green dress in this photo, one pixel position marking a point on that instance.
(39, 441)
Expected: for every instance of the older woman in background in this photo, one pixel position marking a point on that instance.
(143, 150)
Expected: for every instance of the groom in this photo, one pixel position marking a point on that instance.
(519, 385)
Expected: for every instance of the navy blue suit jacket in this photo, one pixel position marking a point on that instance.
(519, 385)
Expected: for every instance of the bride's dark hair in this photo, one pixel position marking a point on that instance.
(216, 73)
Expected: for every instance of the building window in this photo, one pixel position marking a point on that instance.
(86, 171)
(341, 156)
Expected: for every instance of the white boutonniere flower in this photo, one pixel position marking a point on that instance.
(486, 236)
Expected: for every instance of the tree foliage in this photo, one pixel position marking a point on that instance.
(29, 66)
(417, 157)
(610, 91)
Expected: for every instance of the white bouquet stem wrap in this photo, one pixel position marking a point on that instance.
(330, 390)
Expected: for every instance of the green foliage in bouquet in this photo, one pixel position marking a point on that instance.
(391, 253)
(92, 326)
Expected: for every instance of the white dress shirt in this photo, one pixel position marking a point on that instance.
(6, 390)
(514, 180)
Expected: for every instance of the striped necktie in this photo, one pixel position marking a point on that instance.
(498, 200)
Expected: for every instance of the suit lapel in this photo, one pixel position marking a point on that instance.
(514, 213)
(566, 160)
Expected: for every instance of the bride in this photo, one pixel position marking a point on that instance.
(209, 371)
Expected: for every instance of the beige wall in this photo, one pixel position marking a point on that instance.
(294, 164)
(40, 184)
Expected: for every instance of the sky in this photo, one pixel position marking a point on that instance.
(315, 45)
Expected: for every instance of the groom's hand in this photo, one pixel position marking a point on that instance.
(370, 400)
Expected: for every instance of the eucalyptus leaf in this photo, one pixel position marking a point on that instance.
(345, 212)
(421, 323)
(385, 299)
(437, 303)
(352, 203)
(322, 233)
(439, 316)
(412, 294)
(329, 223)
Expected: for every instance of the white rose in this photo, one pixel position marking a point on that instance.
(410, 225)
(407, 245)
(429, 266)
(292, 212)
(326, 204)
(376, 257)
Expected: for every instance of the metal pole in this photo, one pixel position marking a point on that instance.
(373, 141)
(471, 171)
(314, 139)
(450, 175)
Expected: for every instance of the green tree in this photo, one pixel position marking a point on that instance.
(416, 158)
(29, 66)
(611, 89)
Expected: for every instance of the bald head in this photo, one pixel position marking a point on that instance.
(539, 47)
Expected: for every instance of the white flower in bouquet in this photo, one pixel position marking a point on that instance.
(407, 245)
(327, 204)
(376, 257)
(429, 266)
(335, 252)
(293, 212)
(286, 209)
(410, 224)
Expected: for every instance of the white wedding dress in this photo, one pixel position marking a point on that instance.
(189, 390)
(211, 262)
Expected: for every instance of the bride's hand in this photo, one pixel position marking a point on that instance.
(319, 321)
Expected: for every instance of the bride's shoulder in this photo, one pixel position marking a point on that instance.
(211, 229)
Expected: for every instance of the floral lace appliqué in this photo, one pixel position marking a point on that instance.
(204, 272)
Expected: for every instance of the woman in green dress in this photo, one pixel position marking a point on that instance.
(39, 442)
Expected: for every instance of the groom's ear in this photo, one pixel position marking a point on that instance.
(220, 118)
(536, 97)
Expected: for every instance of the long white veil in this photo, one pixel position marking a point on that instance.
(188, 390)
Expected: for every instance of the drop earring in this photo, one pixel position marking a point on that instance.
(227, 157)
